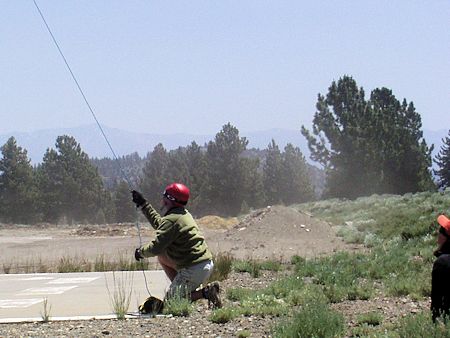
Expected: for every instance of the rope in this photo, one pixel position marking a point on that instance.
(122, 172)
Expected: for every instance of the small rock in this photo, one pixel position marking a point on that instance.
(105, 332)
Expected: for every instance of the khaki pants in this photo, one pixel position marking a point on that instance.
(190, 278)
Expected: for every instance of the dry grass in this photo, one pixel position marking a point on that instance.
(120, 295)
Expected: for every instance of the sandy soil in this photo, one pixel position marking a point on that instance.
(270, 233)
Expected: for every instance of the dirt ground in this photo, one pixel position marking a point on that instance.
(271, 233)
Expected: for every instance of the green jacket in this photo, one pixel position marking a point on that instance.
(177, 235)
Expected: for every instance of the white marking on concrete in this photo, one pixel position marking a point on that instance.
(18, 303)
(34, 278)
(15, 275)
(74, 280)
(53, 290)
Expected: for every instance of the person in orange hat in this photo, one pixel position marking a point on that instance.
(440, 276)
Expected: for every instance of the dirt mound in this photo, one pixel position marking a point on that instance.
(216, 222)
(277, 232)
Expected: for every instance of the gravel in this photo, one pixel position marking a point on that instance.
(198, 324)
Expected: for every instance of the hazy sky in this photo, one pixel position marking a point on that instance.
(192, 66)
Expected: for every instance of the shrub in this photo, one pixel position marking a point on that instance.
(373, 318)
(178, 305)
(282, 287)
(308, 294)
(239, 294)
(222, 267)
(421, 325)
(313, 320)
(271, 265)
(251, 266)
(263, 305)
(223, 315)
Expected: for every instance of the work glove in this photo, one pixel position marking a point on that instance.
(138, 254)
(138, 199)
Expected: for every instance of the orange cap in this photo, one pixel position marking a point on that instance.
(444, 222)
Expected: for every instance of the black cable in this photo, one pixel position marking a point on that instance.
(84, 96)
(124, 176)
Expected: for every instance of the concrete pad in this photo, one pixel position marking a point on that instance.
(84, 295)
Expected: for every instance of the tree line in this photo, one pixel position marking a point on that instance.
(224, 180)
(365, 145)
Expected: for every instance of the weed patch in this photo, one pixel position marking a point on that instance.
(373, 318)
(223, 315)
(178, 304)
(222, 267)
(47, 308)
(313, 320)
(421, 325)
(120, 296)
(251, 266)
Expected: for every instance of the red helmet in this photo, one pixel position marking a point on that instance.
(178, 193)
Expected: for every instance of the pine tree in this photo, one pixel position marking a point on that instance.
(272, 174)
(442, 159)
(197, 177)
(154, 174)
(225, 190)
(124, 207)
(69, 185)
(177, 166)
(367, 147)
(17, 185)
(296, 184)
(252, 184)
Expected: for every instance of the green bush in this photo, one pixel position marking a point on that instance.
(264, 305)
(178, 305)
(310, 293)
(313, 320)
(271, 265)
(251, 266)
(222, 267)
(282, 287)
(239, 294)
(223, 315)
(372, 318)
(421, 325)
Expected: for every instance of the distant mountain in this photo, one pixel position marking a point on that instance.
(94, 144)
(126, 142)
